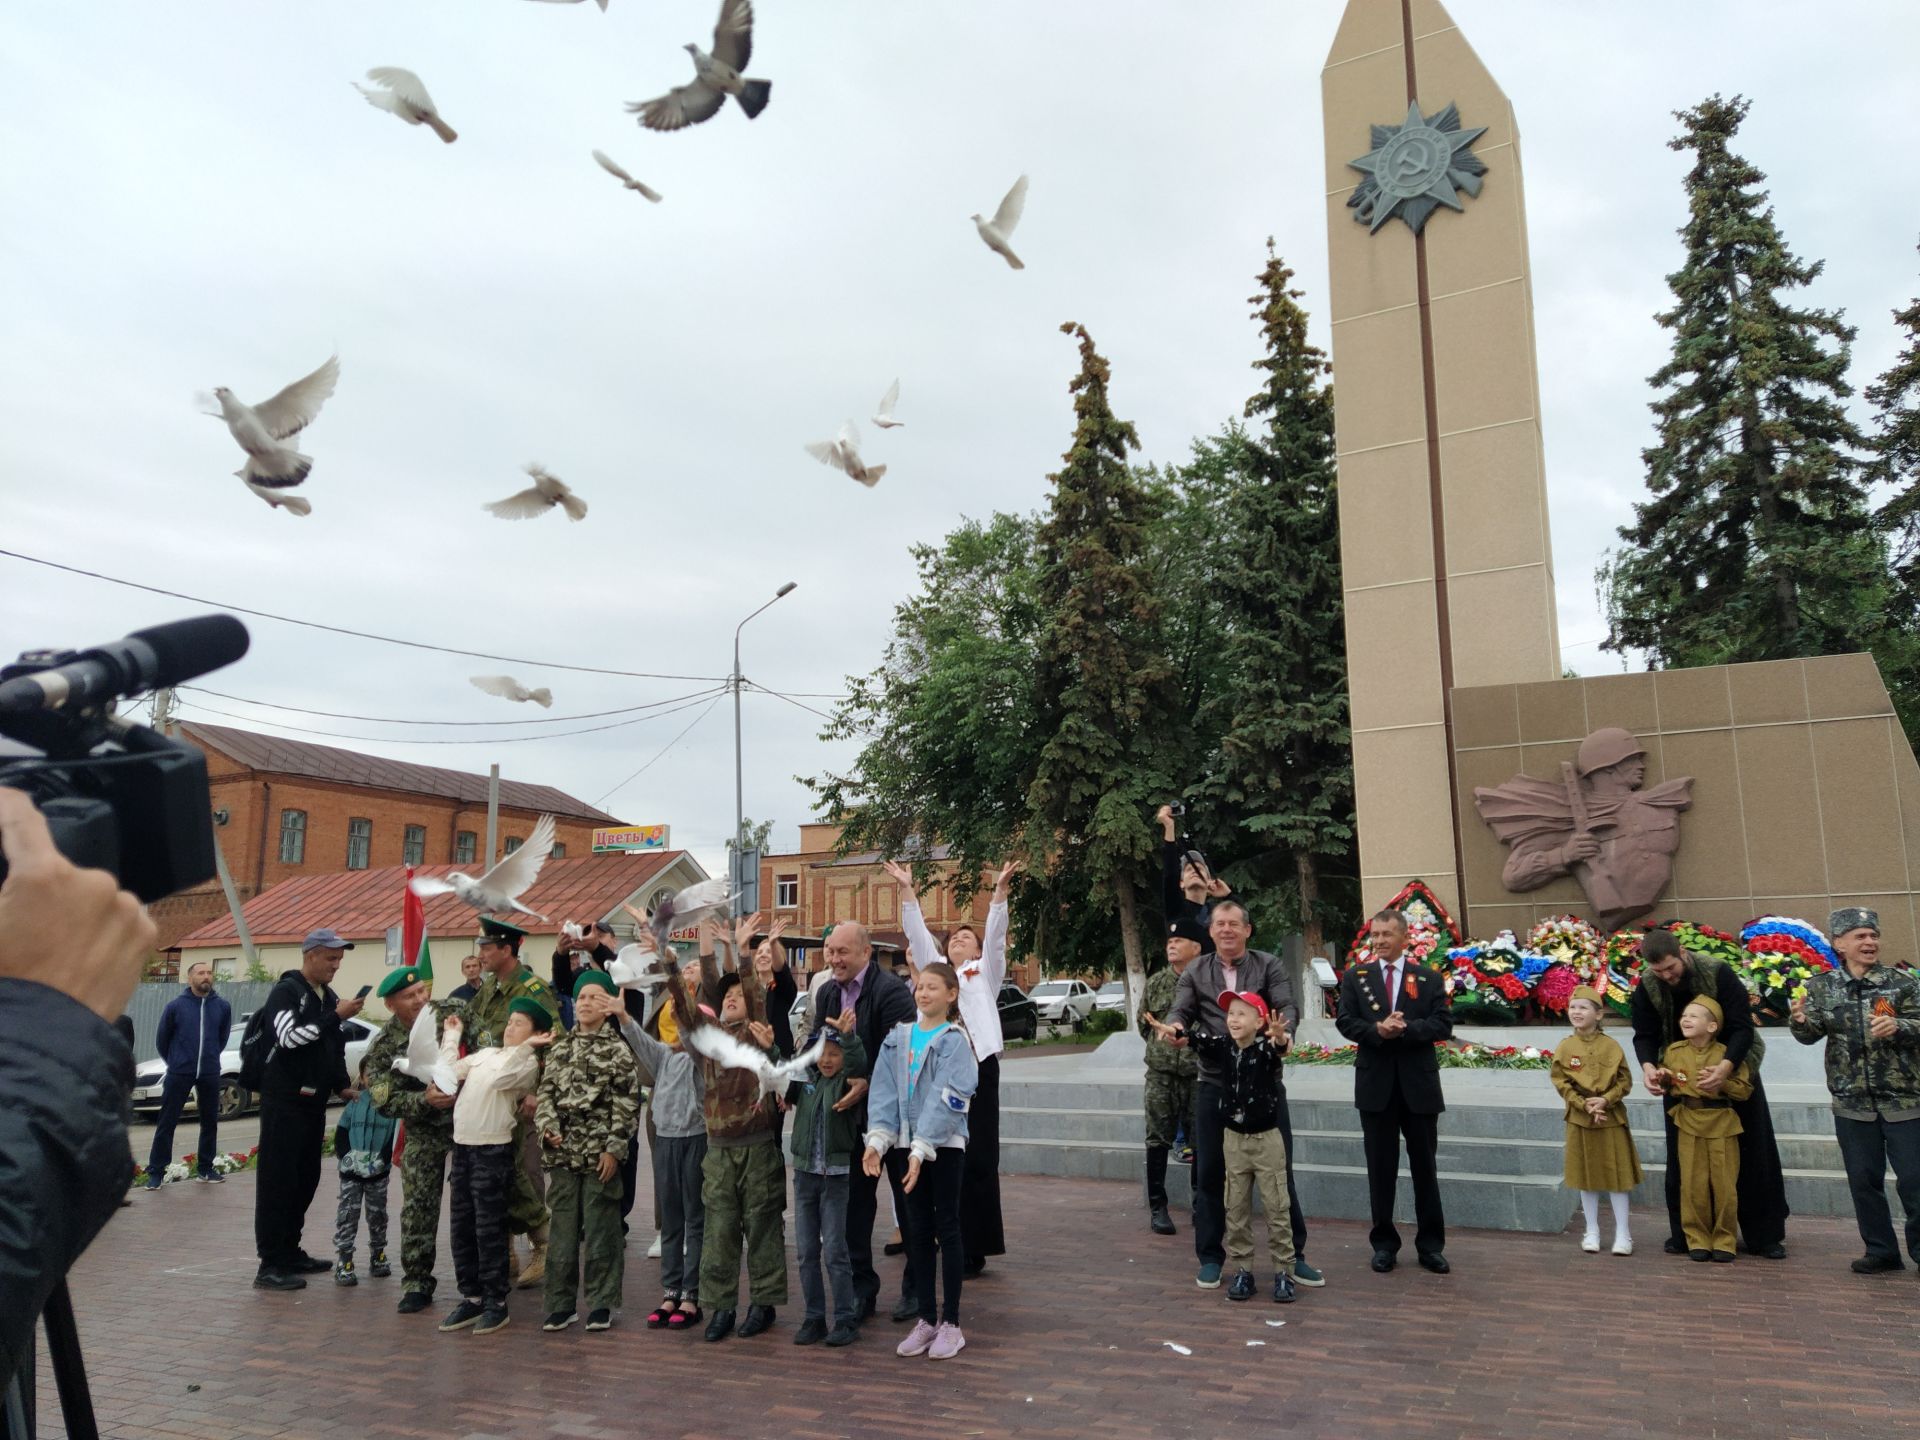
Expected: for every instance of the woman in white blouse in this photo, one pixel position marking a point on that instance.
(982, 966)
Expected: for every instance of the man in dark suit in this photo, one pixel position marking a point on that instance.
(880, 1000)
(1396, 1013)
(1230, 965)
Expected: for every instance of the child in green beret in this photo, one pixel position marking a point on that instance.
(493, 1082)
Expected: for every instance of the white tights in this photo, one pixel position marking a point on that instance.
(1590, 1202)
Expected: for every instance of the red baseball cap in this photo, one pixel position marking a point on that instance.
(1258, 1002)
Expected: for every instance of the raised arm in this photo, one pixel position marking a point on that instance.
(993, 949)
(922, 948)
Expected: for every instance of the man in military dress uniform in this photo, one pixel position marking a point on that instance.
(428, 1116)
(1171, 1069)
(506, 980)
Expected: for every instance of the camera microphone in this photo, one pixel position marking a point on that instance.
(145, 660)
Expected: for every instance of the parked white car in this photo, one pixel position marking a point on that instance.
(1111, 996)
(1063, 1002)
(149, 1076)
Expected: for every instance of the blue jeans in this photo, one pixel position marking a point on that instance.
(820, 1230)
(173, 1099)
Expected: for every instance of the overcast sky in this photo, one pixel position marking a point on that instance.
(194, 197)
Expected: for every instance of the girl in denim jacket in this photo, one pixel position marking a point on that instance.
(922, 1084)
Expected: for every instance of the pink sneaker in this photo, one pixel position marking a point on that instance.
(947, 1343)
(918, 1339)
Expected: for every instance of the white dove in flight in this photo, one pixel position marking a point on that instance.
(546, 492)
(422, 1060)
(682, 908)
(405, 96)
(272, 468)
(715, 77)
(843, 453)
(636, 966)
(502, 886)
(997, 230)
(885, 418)
(508, 688)
(721, 1048)
(607, 164)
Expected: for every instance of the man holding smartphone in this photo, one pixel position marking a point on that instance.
(303, 1019)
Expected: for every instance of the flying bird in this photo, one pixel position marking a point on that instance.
(406, 97)
(715, 77)
(996, 230)
(546, 492)
(508, 688)
(422, 1060)
(502, 886)
(843, 453)
(721, 1048)
(272, 468)
(684, 907)
(885, 418)
(607, 164)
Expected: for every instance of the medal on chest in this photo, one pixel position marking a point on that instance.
(1574, 1062)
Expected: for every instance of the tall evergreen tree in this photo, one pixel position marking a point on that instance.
(1286, 762)
(1102, 680)
(1895, 466)
(1757, 543)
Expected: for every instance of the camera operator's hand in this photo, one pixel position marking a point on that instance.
(73, 930)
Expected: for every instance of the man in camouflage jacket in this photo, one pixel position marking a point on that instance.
(428, 1116)
(1171, 1068)
(1869, 1016)
(588, 1109)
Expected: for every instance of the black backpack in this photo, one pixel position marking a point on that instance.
(256, 1048)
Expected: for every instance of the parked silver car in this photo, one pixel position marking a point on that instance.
(1063, 1002)
(1111, 996)
(149, 1076)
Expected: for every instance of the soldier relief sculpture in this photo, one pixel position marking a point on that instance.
(1594, 823)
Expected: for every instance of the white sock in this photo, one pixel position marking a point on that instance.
(1618, 1200)
(1590, 1203)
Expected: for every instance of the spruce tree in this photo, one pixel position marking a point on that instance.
(1102, 678)
(1286, 764)
(1757, 543)
(1894, 465)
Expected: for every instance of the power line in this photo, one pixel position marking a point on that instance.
(482, 740)
(379, 720)
(754, 685)
(663, 751)
(356, 634)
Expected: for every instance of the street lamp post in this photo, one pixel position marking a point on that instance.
(739, 783)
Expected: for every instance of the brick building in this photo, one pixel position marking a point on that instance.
(286, 808)
(813, 888)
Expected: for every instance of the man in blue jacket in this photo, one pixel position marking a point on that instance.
(191, 1038)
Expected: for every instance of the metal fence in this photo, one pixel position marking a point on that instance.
(149, 1000)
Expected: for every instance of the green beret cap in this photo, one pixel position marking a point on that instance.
(595, 977)
(398, 980)
(532, 1009)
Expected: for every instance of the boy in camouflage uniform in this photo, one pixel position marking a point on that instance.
(363, 1144)
(588, 1109)
(1171, 1069)
(428, 1116)
(1869, 1015)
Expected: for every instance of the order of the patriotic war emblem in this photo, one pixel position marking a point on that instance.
(1415, 167)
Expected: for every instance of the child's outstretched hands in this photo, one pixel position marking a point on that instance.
(843, 1022)
(1277, 1030)
(761, 1032)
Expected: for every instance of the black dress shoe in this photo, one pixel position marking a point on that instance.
(1775, 1251)
(1161, 1223)
(759, 1317)
(1723, 1257)
(721, 1325)
(1383, 1261)
(975, 1267)
(278, 1280)
(907, 1309)
(811, 1332)
(1241, 1287)
(1675, 1247)
(311, 1265)
(1436, 1262)
(1700, 1255)
(413, 1302)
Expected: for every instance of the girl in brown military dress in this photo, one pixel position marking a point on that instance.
(1590, 1072)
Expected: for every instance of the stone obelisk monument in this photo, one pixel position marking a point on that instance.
(1443, 509)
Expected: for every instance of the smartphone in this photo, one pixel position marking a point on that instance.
(1179, 807)
(365, 990)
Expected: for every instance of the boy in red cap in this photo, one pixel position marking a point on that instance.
(1251, 1053)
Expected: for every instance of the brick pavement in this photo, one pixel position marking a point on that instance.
(1527, 1336)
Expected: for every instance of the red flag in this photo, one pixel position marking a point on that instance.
(413, 931)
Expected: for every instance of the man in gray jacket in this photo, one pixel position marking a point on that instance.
(1231, 966)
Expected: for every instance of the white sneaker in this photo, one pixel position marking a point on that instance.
(1623, 1245)
(1591, 1242)
(653, 1250)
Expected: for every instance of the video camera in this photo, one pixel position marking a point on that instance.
(117, 796)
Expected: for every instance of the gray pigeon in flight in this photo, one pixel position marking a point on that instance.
(715, 76)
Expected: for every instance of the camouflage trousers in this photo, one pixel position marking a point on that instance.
(357, 1193)
(586, 1217)
(744, 1193)
(526, 1205)
(1169, 1100)
(423, 1174)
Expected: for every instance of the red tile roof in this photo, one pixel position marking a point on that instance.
(363, 904)
(277, 756)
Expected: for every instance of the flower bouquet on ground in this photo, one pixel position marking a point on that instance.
(1570, 941)
(1782, 953)
(227, 1163)
(1622, 958)
(1492, 1057)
